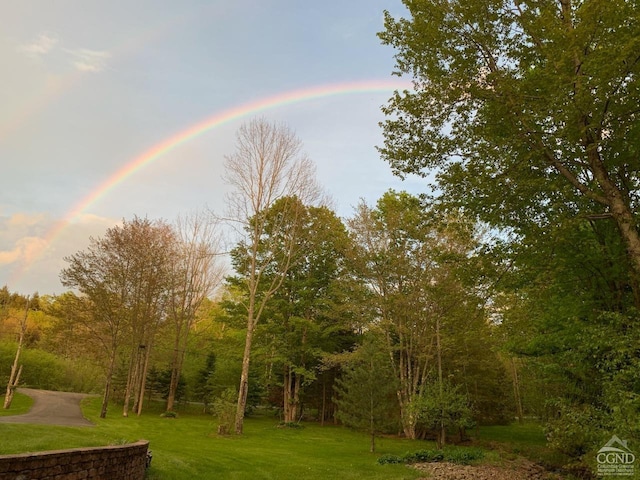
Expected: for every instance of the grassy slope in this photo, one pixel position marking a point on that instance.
(187, 448)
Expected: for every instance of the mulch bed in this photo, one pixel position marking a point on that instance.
(508, 470)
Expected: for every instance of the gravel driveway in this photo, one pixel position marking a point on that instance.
(51, 408)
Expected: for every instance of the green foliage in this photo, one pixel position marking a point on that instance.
(224, 408)
(576, 429)
(424, 456)
(204, 386)
(366, 392)
(390, 459)
(443, 405)
(425, 276)
(307, 316)
(513, 117)
(49, 372)
(481, 115)
(158, 382)
(457, 455)
(463, 456)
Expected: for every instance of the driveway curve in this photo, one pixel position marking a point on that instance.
(52, 408)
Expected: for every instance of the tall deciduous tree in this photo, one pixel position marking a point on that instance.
(526, 111)
(196, 272)
(414, 260)
(303, 320)
(268, 165)
(125, 278)
(391, 256)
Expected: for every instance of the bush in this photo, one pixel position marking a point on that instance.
(47, 371)
(224, 408)
(576, 429)
(424, 456)
(461, 456)
(443, 405)
(390, 459)
(290, 425)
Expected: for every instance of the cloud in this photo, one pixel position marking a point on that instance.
(24, 250)
(82, 59)
(42, 45)
(31, 259)
(87, 60)
(22, 237)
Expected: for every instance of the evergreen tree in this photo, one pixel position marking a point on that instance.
(366, 391)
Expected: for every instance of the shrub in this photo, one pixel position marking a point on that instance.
(423, 456)
(290, 425)
(49, 372)
(390, 459)
(576, 429)
(461, 456)
(224, 408)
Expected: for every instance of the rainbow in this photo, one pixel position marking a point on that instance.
(175, 141)
(226, 116)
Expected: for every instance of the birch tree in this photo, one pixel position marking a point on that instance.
(16, 368)
(411, 259)
(268, 164)
(391, 257)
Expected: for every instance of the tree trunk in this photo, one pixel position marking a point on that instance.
(286, 395)
(14, 378)
(442, 435)
(324, 400)
(292, 384)
(11, 388)
(625, 221)
(107, 387)
(177, 360)
(408, 420)
(372, 424)
(131, 380)
(244, 380)
(175, 374)
(516, 391)
(143, 380)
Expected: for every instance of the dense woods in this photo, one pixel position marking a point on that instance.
(509, 292)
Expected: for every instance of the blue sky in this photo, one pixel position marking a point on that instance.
(87, 86)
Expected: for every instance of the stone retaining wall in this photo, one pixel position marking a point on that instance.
(120, 462)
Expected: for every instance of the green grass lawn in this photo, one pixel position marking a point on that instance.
(187, 447)
(19, 405)
(531, 434)
(527, 440)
